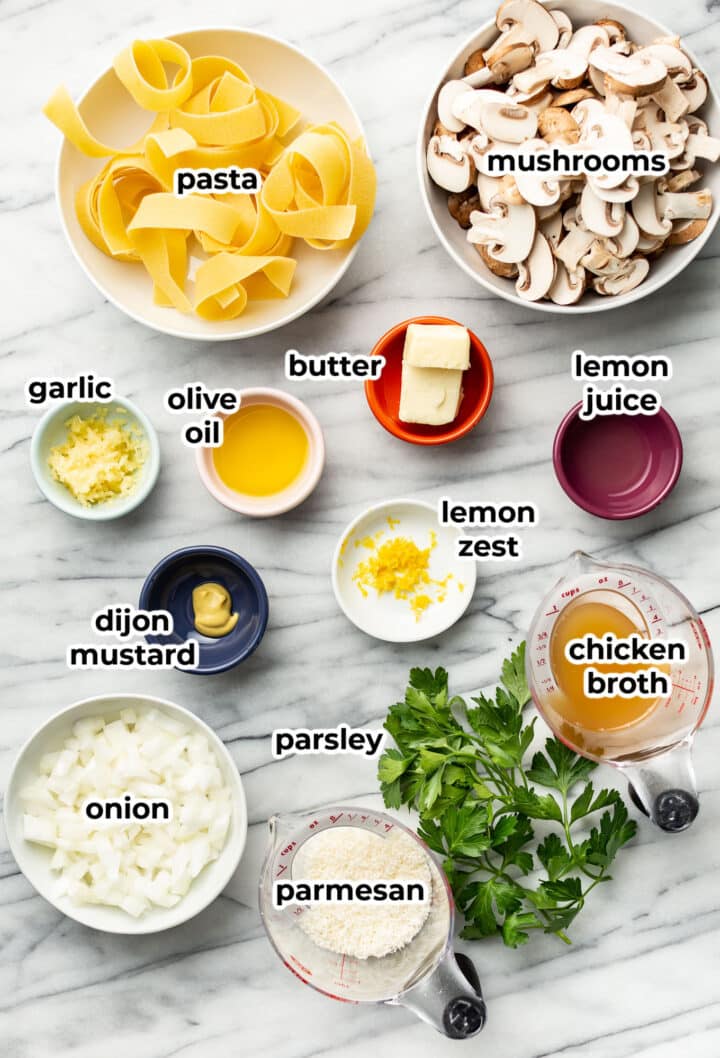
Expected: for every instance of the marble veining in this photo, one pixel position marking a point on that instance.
(641, 978)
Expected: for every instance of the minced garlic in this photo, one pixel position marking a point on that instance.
(100, 459)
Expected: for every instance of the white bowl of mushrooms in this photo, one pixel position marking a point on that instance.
(571, 73)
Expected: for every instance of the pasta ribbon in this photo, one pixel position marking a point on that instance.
(209, 114)
(322, 189)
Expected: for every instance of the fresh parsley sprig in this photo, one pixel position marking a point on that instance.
(464, 769)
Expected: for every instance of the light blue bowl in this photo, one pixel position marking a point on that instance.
(51, 431)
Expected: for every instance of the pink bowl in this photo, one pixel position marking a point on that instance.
(267, 506)
(617, 466)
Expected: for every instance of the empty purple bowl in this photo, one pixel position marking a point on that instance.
(617, 466)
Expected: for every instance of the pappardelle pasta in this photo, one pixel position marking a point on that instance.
(318, 184)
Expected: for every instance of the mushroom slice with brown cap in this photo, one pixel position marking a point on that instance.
(681, 180)
(636, 75)
(621, 105)
(626, 192)
(671, 100)
(552, 229)
(507, 231)
(508, 122)
(474, 62)
(574, 95)
(699, 144)
(685, 231)
(667, 136)
(564, 26)
(674, 60)
(462, 203)
(467, 106)
(535, 19)
(646, 213)
(625, 281)
(615, 30)
(499, 268)
(489, 188)
(684, 205)
(515, 59)
(567, 287)
(626, 243)
(537, 272)
(563, 68)
(600, 217)
(517, 34)
(556, 125)
(587, 38)
(573, 247)
(535, 101)
(448, 164)
(602, 260)
(651, 244)
(696, 91)
(447, 96)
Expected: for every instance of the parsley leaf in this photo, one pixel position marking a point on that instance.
(464, 768)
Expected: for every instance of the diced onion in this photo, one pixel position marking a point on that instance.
(130, 864)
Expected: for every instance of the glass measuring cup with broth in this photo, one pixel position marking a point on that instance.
(620, 666)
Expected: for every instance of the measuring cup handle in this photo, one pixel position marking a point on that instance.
(449, 999)
(664, 788)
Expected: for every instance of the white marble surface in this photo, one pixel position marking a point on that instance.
(642, 977)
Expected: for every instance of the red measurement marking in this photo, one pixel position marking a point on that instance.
(543, 635)
(283, 867)
(682, 687)
(555, 609)
(623, 583)
(334, 819)
(342, 967)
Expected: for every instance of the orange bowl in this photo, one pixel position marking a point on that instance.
(383, 394)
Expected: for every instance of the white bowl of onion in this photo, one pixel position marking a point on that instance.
(126, 877)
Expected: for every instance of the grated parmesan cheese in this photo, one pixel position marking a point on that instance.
(352, 854)
(100, 459)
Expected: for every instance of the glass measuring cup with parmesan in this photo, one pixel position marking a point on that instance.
(395, 953)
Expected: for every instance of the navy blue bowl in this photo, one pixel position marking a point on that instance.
(169, 586)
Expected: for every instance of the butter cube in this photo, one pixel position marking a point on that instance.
(437, 345)
(429, 395)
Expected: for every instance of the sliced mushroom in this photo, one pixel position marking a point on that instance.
(556, 125)
(621, 105)
(587, 38)
(508, 122)
(615, 30)
(626, 243)
(685, 231)
(563, 68)
(552, 229)
(601, 260)
(507, 231)
(564, 26)
(575, 95)
(671, 100)
(467, 106)
(625, 281)
(536, 21)
(576, 243)
(516, 35)
(685, 205)
(699, 144)
(515, 59)
(499, 268)
(636, 75)
(600, 217)
(625, 192)
(682, 180)
(449, 92)
(537, 272)
(646, 213)
(667, 136)
(474, 62)
(448, 164)
(567, 287)
(675, 61)
(462, 204)
(696, 91)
